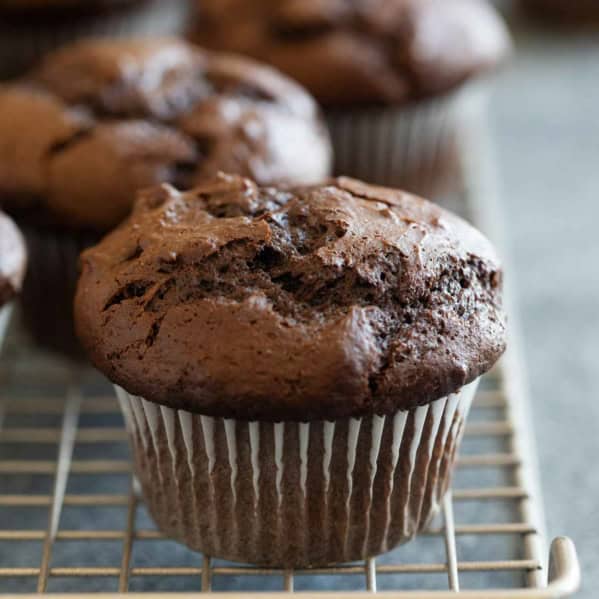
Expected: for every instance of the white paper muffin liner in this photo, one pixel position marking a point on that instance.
(294, 494)
(49, 288)
(413, 147)
(23, 44)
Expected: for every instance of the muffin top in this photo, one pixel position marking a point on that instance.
(361, 51)
(319, 302)
(12, 259)
(101, 119)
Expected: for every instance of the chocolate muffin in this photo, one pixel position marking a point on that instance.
(295, 365)
(99, 120)
(29, 29)
(390, 73)
(12, 268)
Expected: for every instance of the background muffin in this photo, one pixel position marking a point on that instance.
(99, 120)
(12, 267)
(31, 28)
(297, 362)
(387, 71)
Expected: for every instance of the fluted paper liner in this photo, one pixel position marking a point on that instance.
(294, 494)
(49, 287)
(413, 147)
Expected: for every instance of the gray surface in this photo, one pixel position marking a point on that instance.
(545, 117)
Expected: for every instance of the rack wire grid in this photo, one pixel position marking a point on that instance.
(71, 518)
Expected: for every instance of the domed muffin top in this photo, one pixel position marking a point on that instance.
(101, 119)
(317, 302)
(12, 259)
(349, 52)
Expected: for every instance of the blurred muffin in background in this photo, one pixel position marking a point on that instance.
(101, 119)
(390, 72)
(12, 268)
(31, 28)
(571, 12)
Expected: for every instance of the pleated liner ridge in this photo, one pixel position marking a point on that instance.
(413, 147)
(294, 494)
(52, 274)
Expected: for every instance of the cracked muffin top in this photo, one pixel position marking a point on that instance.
(12, 260)
(101, 119)
(319, 302)
(361, 51)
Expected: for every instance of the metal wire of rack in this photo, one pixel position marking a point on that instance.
(65, 449)
(71, 519)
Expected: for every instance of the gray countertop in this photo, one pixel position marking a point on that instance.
(545, 119)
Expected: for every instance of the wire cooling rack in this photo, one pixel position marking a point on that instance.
(71, 519)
